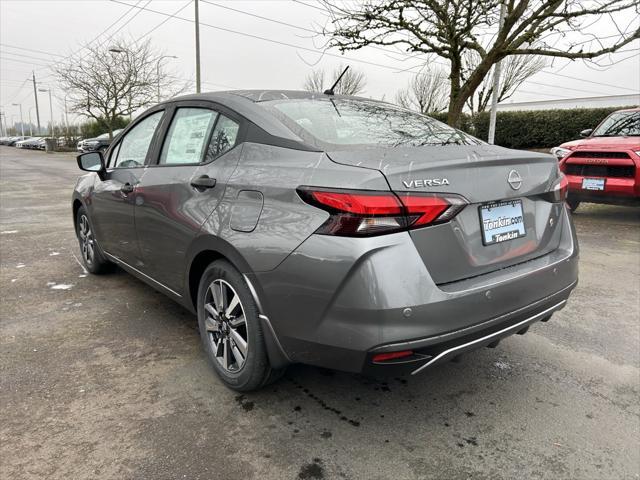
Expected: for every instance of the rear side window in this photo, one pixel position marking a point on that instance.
(188, 135)
(224, 137)
(132, 149)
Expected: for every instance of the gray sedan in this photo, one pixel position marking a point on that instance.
(330, 230)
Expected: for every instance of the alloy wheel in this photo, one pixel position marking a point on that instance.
(87, 242)
(226, 325)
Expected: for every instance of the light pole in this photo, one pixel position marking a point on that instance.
(158, 71)
(52, 132)
(21, 121)
(66, 113)
(120, 50)
(197, 22)
(30, 124)
(496, 84)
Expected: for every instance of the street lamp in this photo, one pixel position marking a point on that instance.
(21, 121)
(30, 124)
(158, 71)
(52, 132)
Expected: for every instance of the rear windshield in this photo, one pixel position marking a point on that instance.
(619, 124)
(358, 122)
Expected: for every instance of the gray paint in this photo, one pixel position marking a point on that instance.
(330, 300)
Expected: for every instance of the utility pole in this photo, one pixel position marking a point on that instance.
(21, 120)
(496, 85)
(30, 123)
(35, 96)
(197, 48)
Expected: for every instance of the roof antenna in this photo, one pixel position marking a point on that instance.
(330, 91)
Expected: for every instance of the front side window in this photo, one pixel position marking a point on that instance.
(132, 150)
(344, 122)
(619, 124)
(188, 135)
(224, 137)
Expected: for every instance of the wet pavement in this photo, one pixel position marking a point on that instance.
(103, 377)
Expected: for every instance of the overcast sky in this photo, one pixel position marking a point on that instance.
(53, 29)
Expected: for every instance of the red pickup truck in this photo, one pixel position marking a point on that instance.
(604, 167)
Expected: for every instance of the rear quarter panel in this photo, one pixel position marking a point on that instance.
(284, 221)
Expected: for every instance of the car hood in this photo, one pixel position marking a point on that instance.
(625, 143)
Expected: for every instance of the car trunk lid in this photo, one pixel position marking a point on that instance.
(481, 174)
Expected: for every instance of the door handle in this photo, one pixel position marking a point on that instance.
(203, 182)
(127, 188)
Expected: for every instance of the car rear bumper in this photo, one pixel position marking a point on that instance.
(376, 296)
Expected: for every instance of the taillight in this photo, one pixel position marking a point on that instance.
(367, 213)
(560, 189)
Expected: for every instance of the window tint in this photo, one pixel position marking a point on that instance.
(224, 137)
(132, 149)
(188, 135)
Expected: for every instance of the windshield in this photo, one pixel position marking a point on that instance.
(358, 122)
(619, 124)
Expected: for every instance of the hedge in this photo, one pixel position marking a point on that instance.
(534, 128)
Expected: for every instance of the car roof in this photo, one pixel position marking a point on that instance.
(246, 103)
(634, 109)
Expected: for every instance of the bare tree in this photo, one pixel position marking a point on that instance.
(515, 70)
(451, 28)
(427, 92)
(115, 80)
(353, 82)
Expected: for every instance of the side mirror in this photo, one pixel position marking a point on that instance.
(91, 162)
(586, 133)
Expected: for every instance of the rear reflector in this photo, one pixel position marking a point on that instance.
(383, 357)
(366, 213)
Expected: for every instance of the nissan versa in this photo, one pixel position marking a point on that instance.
(328, 230)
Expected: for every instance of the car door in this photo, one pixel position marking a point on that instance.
(114, 196)
(183, 187)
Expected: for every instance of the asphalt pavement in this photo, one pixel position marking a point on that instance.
(103, 377)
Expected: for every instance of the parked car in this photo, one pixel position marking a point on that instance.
(23, 143)
(604, 167)
(99, 143)
(33, 143)
(11, 141)
(329, 230)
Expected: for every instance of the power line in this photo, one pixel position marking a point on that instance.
(21, 61)
(24, 55)
(173, 15)
(30, 50)
(309, 30)
(269, 40)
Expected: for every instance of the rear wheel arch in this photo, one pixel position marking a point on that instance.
(212, 248)
(207, 249)
(77, 204)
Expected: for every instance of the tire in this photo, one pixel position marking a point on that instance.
(235, 349)
(573, 204)
(92, 257)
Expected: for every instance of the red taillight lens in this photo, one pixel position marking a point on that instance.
(564, 188)
(366, 213)
(385, 357)
(560, 189)
(424, 210)
(359, 203)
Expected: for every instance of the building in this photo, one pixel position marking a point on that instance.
(627, 100)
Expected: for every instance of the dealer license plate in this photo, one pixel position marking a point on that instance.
(501, 221)
(593, 183)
